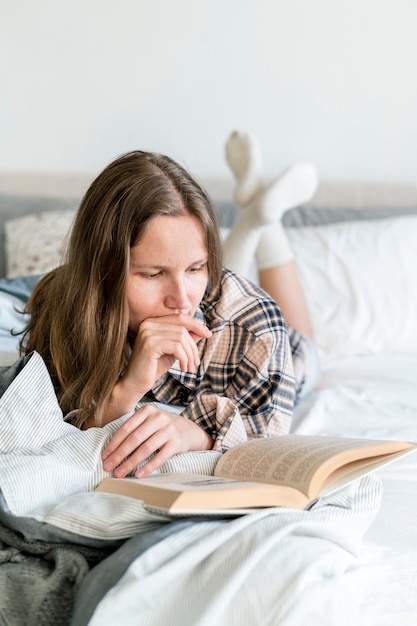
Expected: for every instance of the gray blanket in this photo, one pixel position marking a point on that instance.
(60, 583)
(39, 580)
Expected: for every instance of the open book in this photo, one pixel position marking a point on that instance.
(289, 471)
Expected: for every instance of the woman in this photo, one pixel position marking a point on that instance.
(141, 310)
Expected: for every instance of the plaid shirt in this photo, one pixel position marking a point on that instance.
(244, 386)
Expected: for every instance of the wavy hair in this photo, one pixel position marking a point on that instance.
(78, 313)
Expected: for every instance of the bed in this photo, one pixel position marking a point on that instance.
(71, 556)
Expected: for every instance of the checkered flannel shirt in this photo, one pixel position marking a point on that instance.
(244, 386)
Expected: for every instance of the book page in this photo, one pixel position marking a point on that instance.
(354, 470)
(292, 459)
(188, 482)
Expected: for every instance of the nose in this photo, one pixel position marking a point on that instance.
(177, 299)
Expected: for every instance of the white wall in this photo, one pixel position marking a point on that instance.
(331, 81)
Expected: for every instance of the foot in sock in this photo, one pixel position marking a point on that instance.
(292, 188)
(265, 204)
(244, 158)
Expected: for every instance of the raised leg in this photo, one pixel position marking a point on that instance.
(259, 230)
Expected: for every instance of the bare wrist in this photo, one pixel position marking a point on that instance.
(124, 397)
(207, 440)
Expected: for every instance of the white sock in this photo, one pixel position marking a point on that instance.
(244, 158)
(293, 187)
(273, 248)
(259, 230)
(241, 244)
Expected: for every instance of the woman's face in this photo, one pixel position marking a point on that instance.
(168, 269)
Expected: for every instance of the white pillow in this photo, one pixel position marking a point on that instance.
(360, 280)
(10, 319)
(35, 243)
(359, 276)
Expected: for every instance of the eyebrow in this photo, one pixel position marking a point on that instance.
(164, 267)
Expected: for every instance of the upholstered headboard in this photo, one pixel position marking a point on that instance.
(29, 193)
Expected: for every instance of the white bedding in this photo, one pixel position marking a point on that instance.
(376, 397)
(352, 559)
(268, 567)
(271, 567)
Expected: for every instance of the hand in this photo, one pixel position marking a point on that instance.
(150, 430)
(159, 343)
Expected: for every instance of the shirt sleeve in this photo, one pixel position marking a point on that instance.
(258, 396)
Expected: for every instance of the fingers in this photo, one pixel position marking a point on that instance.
(151, 431)
(161, 457)
(163, 340)
(190, 323)
(148, 431)
(196, 329)
(159, 343)
(172, 341)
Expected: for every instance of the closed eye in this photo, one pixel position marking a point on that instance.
(198, 268)
(149, 275)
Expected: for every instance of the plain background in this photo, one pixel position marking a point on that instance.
(328, 81)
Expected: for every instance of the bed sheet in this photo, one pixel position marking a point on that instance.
(367, 396)
(356, 564)
(273, 566)
(376, 397)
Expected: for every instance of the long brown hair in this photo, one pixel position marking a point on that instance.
(78, 314)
